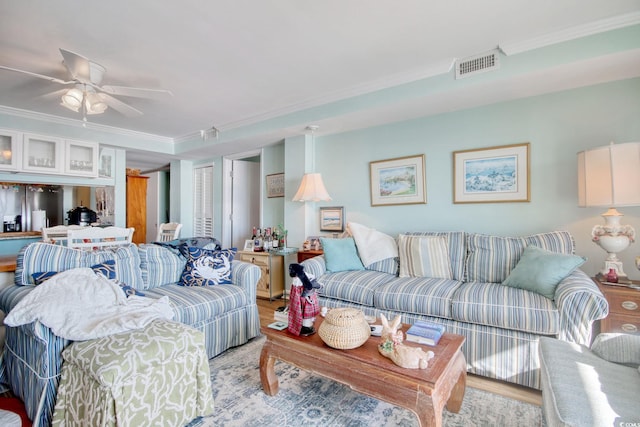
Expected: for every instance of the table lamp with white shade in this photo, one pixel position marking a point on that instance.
(609, 176)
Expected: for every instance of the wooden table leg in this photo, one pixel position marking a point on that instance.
(457, 392)
(268, 376)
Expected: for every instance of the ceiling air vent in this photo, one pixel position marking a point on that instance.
(477, 64)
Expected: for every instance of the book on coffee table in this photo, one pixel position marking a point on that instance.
(423, 332)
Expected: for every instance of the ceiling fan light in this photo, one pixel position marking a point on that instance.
(72, 99)
(95, 104)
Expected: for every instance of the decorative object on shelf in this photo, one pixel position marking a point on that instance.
(612, 276)
(344, 328)
(312, 188)
(303, 304)
(332, 218)
(391, 346)
(608, 176)
(399, 181)
(275, 185)
(491, 175)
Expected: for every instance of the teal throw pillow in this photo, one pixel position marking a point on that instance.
(540, 270)
(341, 255)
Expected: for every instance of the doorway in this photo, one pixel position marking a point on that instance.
(241, 198)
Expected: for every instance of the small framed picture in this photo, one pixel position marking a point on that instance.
(248, 245)
(332, 218)
(275, 185)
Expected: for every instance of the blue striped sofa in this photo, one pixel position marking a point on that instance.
(501, 324)
(226, 314)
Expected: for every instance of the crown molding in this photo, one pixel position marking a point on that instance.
(596, 27)
(409, 76)
(48, 118)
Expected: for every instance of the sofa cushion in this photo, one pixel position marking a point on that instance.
(618, 348)
(456, 247)
(352, 286)
(491, 258)
(581, 389)
(389, 266)
(160, 265)
(493, 304)
(341, 255)
(207, 267)
(424, 256)
(38, 257)
(417, 295)
(540, 271)
(192, 304)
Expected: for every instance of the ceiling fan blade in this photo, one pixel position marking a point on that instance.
(40, 76)
(120, 106)
(78, 66)
(136, 92)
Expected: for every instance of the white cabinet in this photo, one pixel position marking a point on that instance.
(42, 154)
(10, 150)
(81, 158)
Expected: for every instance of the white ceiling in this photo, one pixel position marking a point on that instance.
(232, 64)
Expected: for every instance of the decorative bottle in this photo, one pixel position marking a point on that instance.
(612, 276)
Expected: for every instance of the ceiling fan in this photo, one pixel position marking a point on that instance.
(87, 95)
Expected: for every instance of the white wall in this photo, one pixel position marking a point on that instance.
(557, 126)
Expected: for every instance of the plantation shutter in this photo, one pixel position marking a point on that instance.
(203, 201)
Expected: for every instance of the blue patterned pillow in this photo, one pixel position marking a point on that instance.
(206, 267)
(106, 269)
(128, 290)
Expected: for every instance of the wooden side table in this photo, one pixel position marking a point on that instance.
(302, 255)
(271, 283)
(624, 308)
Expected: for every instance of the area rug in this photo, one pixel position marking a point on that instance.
(307, 399)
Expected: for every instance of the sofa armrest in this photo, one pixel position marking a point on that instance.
(246, 275)
(579, 303)
(315, 266)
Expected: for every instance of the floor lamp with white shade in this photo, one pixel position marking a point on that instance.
(609, 176)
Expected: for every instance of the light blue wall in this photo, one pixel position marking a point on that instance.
(557, 126)
(272, 160)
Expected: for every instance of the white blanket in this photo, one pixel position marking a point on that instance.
(79, 305)
(372, 245)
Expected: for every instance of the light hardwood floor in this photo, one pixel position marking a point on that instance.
(525, 394)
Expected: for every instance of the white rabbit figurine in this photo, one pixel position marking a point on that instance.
(404, 356)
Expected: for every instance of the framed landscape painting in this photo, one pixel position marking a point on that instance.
(492, 175)
(332, 218)
(398, 181)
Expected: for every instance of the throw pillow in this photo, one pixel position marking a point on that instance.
(618, 348)
(341, 255)
(207, 267)
(106, 269)
(373, 246)
(424, 256)
(540, 271)
(128, 290)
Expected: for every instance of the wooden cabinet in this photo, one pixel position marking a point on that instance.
(302, 255)
(271, 283)
(137, 207)
(624, 308)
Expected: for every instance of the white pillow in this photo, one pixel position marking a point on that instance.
(424, 256)
(373, 246)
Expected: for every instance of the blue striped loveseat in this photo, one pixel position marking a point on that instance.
(226, 314)
(501, 324)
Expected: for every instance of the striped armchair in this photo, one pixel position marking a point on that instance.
(226, 314)
(501, 324)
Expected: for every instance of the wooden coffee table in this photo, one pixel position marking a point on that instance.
(423, 391)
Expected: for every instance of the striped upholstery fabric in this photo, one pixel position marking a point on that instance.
(32, 357)
(389, 266)
(160, 265)
(457, 249)
(491, 258)
(354, 286)
(579, 302)
(417, 295)
(39, 257)
(493, 304)
(424, 256)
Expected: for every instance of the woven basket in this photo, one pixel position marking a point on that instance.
(344, 328)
